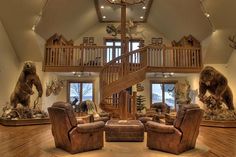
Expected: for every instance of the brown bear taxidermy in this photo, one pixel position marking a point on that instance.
(23, 89)
(213, 81)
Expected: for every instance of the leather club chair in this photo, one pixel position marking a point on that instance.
(179, 137)
(71, 136)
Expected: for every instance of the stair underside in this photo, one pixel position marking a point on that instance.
(125, 82)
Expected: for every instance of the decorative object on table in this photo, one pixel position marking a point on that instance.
(179, 137)
(140, 103)
(71, 136)
(219, 104)
(139, 87)
(55, 87)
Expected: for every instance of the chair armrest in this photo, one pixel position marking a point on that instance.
(161, 128)
(90, 127)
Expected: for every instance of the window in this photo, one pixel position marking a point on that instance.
(81, 91)
(163, 92)
(114, 49)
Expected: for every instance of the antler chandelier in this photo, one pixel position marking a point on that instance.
(127, 2)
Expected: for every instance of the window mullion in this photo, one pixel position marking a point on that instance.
(81, 94)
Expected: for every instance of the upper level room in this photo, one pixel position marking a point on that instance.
(79, 20)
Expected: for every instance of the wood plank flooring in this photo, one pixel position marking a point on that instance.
(37, 141)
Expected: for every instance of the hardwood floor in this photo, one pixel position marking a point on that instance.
(37, 141)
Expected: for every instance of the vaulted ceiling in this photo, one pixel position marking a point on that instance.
(72, 18)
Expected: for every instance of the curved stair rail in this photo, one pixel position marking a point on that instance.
(130, 68)
(119, 74)
(122, 67)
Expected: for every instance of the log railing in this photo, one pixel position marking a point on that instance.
(57, 56)
(176, 57)
(98, 56)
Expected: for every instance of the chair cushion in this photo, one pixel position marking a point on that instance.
(181, 113)
(69, 111)
(90, 127)
(161, 128)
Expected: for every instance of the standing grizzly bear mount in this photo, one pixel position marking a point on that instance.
(23, 89)
(213, 81)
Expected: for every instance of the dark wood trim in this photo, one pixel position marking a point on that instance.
(148, 8)
(72, 68)
(99, 14)
(22, 122)
(220, 124)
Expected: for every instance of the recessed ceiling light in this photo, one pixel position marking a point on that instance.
(144, 7)
(102, 7)
(104, 17)
(207, 14)
(33, 28)
(141, 17)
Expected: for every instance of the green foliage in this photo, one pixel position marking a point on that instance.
(140, 102)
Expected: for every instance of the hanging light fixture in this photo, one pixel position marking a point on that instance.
(81, 74)
(127, 2)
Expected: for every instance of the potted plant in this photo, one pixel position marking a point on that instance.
(140, 103)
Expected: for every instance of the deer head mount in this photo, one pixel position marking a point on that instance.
(233, 42)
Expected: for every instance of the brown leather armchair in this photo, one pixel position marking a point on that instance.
(179, 137)
(71, 136)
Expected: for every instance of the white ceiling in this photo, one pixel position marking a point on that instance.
(113, 12)
(72, 18)
(68, 17)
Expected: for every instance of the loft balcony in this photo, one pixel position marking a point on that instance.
(59, 58)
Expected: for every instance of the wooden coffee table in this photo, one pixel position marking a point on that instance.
(124, 131)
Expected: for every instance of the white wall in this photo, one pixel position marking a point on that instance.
(9, 67)
(230, 67)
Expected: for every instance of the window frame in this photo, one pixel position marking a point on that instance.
(105, 39)
(81, 89)
(163, 82)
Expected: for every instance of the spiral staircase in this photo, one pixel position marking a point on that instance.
(119, 74)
